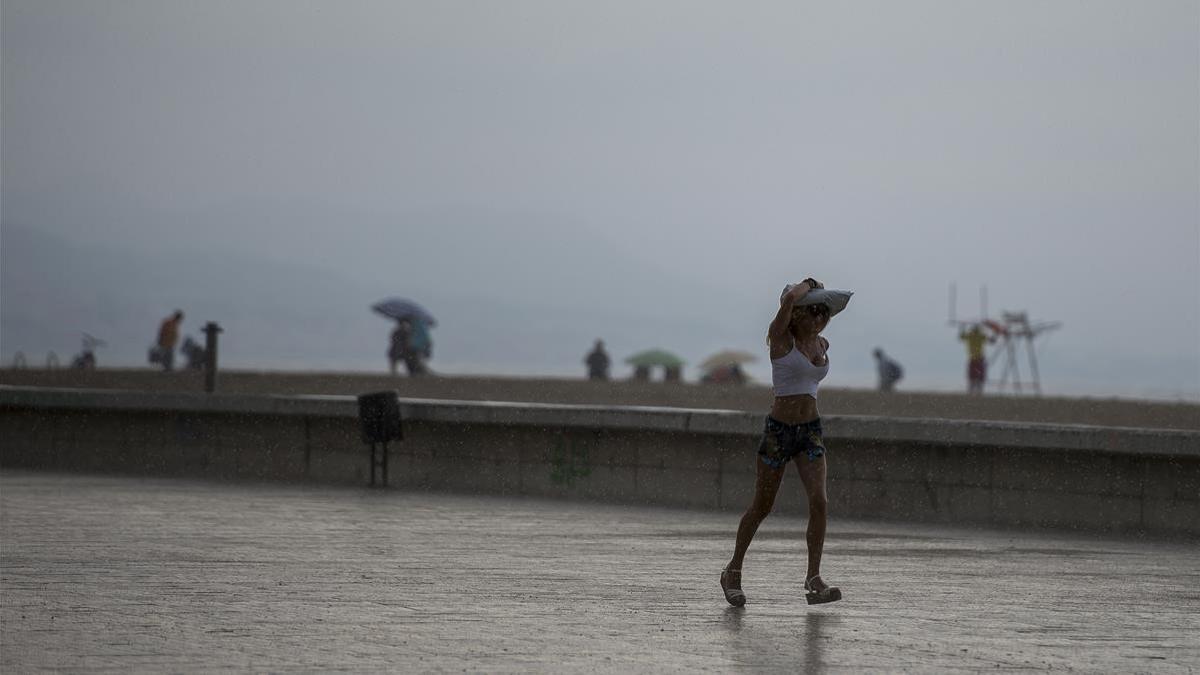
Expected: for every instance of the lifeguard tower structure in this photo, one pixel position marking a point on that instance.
(1009, 333)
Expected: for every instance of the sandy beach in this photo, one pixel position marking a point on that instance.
(833, 401)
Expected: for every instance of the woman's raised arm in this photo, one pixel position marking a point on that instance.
(794, 293)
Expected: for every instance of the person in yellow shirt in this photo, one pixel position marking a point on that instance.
(975, 339)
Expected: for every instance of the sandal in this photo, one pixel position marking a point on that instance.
(816, 596)
(733, 595)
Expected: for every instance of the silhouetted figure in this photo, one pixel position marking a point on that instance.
(193, 352)
(402, 348)
(736, 374)
(397, 345)
(419, 342)
(975, 339)
(163, 351)
(597, 362)
(890, 372)
(672, 374)
(86, 358)
(641, 373)
(728, 374)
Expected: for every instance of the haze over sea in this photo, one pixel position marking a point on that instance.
(542, 174)
(292, 317)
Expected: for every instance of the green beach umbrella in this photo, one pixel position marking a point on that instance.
(655, 357)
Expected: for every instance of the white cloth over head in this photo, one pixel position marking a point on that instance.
(835, 300)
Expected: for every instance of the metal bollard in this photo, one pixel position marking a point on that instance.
(211, 329)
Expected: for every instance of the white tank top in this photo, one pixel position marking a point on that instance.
(793, 374)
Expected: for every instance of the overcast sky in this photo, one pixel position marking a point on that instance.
(705, 152)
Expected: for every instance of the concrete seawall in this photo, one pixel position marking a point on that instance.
(1109, 479)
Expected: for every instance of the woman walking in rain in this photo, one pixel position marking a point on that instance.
(799, 361)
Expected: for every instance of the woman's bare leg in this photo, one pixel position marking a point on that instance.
(812, 474)
(766, 485)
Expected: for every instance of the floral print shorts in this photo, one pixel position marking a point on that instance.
(782, 442)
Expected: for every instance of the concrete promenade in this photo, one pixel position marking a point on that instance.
(119, 574)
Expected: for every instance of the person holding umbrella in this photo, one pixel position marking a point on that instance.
(799, 361)
(409, 340)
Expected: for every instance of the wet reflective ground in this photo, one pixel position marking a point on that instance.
(123, 574)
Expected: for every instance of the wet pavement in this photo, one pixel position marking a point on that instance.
(124, 574)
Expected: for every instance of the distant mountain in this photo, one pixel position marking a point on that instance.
(513, 294)
(506, 301)
(51, 289)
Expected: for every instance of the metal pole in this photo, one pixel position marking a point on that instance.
(385, 462)
(1012, 358)
(211, 330)
(994, 360)
(1037, 384)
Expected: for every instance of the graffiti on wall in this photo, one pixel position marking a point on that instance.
(569, 461)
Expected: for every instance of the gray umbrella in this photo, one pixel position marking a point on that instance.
(403, 308)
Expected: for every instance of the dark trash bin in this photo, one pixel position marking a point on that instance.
(379, 417)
